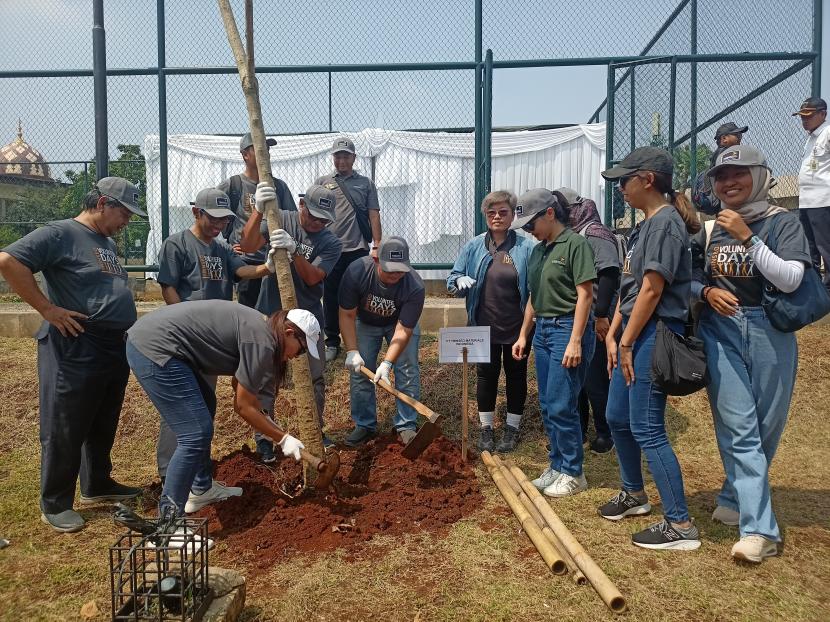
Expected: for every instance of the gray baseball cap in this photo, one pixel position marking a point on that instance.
(642, 159)
(343, 144)
(393, 255)
(246, 141)
(122, 191)
(739, 155)
(215, 202)
(319, 201)
(571, 195)
(531, 203)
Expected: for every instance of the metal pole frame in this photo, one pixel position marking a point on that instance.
(609, 144)
(99, 79)
(693, 112)
(164, 187)
(672, 103)
(817, 33)
(479, 119)
(487, 123)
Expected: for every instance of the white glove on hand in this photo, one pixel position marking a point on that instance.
(280, 238)
(264, 193)
(383, 372)
(354, 361)
(291, 447)
(464, 283)
(269, 261)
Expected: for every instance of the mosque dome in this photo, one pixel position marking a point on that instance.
(20, 159)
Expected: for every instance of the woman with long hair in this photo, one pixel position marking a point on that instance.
(560, 276)
(655, 286)
(173, 349)
(491, 273)
(751, 363)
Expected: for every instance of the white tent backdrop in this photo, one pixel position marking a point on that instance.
(425, 180)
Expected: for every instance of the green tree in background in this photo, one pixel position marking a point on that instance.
(683, 161)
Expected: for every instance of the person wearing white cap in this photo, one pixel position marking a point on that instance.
(197, 264)
(82, 368)
(241, 190)
(313, 250)
(171, 350)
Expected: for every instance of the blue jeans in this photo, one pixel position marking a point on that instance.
(636, 417)
(559, 389)
(407, 377)
(753, 369)
(179, 396)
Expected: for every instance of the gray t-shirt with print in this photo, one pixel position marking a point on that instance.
(659, 244)
(215, 338)
(244, 208)
(364, 193)
(81, 270)
(378, 304)
(730, 267)
(198, 271)
(321, 249)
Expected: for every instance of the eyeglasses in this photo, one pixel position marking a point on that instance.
(222, 220)
(530, 225)
(504, 214)
(323, 221)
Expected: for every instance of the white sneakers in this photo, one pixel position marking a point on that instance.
(218, 492)
(553, 483)
(189, 544)
(566, 485)
(754, 549)
(549, 476)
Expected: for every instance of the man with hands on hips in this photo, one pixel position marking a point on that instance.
(381, 299)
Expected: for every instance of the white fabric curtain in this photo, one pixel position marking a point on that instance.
(425, 180)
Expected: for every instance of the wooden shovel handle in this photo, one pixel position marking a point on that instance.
(310, 458)
(426, 412)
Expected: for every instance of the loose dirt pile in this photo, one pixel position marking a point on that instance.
(377, 491)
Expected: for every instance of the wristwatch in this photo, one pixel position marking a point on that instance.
(751, 241)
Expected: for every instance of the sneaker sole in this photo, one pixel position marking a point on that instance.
(189, 509)
(107, 498)
(638, 511)
(270, 460)
(45, 520)
(559, 495)
(743, 557)
(727, 523)
(680, 545)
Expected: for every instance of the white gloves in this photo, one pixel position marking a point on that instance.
(280, 238)
(269, 261)
(264, 193)
(291, 447)
(383, 372)
(463, 283)
(354, 361)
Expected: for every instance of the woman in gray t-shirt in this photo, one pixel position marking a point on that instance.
(173, 349)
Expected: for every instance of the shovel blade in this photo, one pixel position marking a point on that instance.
(423, 439)
(327, 470)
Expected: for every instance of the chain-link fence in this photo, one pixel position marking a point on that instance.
(374, 70)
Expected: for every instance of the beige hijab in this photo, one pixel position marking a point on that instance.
(757, 206)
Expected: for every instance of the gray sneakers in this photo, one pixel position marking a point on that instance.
(508, 440)
(726, 515)
(547, 477)
(218, 492)
(486, 439)
(68, 521)
(331, 353)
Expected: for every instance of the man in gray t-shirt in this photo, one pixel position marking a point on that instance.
(82, 365)
(382, 299)
(357, 222)
(241, 189)
(313, 249)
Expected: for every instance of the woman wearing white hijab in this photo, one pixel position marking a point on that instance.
(752, 365)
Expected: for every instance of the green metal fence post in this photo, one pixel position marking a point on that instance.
(99, 85)
(330, 123)
(632, 216)
(479, 118)
(693, 113)
(672, 102)
(488, 124)
(162, 82)
(817, 17)
(609, 143)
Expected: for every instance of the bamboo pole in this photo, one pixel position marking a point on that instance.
(309, 428)
(548, 552)
(599, 580)
(576, 573)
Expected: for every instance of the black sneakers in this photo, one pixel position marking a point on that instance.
(622, 505)
(110, 492)
(602, 445)
(663, 535)
(486, 439)
(509, 440)
(358, 436)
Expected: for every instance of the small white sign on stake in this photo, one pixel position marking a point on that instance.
(452, 340)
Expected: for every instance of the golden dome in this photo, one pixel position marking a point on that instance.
(20, 159)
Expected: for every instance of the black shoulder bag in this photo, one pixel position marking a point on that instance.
(361, 213)
(678, 364)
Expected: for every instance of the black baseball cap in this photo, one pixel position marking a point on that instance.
(730, 128)
(246, 141)
(642, 159)
(811, 105)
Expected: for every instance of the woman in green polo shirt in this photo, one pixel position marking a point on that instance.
(560, 276)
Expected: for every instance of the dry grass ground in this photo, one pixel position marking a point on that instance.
(483, 568)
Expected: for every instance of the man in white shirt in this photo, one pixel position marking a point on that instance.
(814, 182)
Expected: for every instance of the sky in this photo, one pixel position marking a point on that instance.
(58, 114)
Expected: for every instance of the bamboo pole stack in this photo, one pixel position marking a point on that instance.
(555, 543)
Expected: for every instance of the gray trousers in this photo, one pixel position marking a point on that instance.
(816, 223)
(82, 383)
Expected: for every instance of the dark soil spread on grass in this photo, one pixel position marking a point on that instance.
(377, 491)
